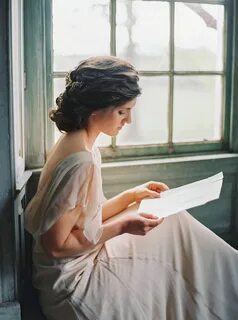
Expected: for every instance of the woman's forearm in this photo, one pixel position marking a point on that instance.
(116, 204)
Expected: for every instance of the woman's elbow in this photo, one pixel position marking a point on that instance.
(74, 244)
(53, 250)
(56, 254)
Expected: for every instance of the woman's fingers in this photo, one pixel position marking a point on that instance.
(147, 229)
(151, 224)
(149, 216)
(161, 220)
(141, 224)
(151, 220)
(153, 194)
(154, 222)
(147, 193)
(157, 186)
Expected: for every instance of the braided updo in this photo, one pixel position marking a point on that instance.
(96, 83)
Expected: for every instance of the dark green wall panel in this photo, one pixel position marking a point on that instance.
(7, 274)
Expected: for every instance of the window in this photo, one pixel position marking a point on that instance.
(180, 50)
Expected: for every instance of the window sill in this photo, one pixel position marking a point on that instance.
(174, 171)
(147, 161)
(21, 182)
(170, 160)
(122, 153)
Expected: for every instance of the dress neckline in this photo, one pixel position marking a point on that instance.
(86, 154)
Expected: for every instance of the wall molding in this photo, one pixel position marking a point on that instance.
(10, 311)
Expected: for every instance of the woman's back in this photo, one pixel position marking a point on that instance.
(67, 144)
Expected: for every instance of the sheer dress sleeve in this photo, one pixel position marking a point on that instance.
(73, 184)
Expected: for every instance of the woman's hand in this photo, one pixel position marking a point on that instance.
(150, 189)
(141, 224)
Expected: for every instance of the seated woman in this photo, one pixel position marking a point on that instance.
(90, 262)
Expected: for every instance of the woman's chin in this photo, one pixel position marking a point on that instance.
(112, 133)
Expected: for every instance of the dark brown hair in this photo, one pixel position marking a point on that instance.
(96, 83)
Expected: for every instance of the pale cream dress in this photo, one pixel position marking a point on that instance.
(179, 271)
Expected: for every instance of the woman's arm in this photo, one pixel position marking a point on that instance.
(64, 240)
(75, 242)
(116, 204)
(120, 202)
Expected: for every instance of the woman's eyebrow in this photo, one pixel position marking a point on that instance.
(124, 108)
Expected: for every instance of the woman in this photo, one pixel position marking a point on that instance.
(90, 262)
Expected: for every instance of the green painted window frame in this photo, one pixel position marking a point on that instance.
(229, 142)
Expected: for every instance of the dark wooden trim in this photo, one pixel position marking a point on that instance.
(9, 307)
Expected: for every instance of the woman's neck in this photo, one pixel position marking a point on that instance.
(85, 138)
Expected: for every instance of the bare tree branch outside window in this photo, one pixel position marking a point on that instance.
(210, 21)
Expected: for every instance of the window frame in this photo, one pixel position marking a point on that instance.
(16, 62)
(229, 142)
(170, 148)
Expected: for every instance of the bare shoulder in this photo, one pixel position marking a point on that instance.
(64, 147)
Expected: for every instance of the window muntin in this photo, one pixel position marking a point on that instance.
(164, 128)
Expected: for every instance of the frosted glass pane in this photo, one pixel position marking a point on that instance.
(197, 108)
(59, 85)
(149, 116)
(80, 29)
(199, 36)
(103, 140)
(142, 33)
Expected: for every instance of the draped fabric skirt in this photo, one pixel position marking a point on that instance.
(179, 271)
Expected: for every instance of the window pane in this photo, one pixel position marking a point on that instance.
(199, 37)
(80, 29)
(197, 108)
(59, 85)
(103, 140)
(149, 117)
(143, 33)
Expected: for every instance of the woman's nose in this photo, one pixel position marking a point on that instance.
(128, 119)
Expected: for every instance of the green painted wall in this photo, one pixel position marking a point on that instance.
(9, 307)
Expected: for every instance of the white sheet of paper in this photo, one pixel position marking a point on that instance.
(185, 197)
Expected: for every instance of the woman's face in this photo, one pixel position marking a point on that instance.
(111, 120)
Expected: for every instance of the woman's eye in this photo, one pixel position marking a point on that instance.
(121, 112)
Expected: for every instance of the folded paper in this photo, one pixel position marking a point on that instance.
(185, 197)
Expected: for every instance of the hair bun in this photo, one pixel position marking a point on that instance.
(95, 84)
(52, 114)
(73, 76)
(63, 122)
